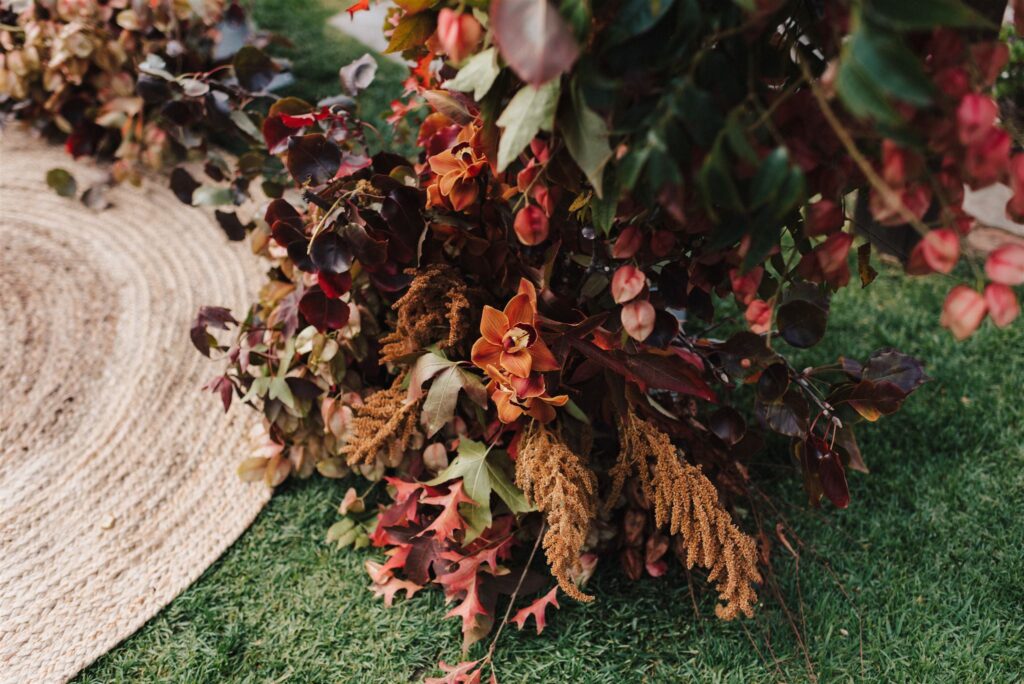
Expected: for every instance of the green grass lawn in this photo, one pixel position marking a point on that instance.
(930, 552)
(924, 574)
(319, 50)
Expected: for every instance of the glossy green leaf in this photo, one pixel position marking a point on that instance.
(894, 68)
(586, 136)
(412, 31)
(530, 111)
(483, 471)
(477, 75)
(923, 15)
(62, 182)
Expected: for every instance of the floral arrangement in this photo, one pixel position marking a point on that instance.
(566, 326)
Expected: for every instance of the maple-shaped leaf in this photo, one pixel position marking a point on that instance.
(392, 587)
(404, 489)
(536, 609)
(468, 672)
(397, 557)
(425, 554)
(476, 621)
(427, 366)
(386, 584)
(360, 6)
(483, 471)
(439, 406)
(448, 520)
(462, 575)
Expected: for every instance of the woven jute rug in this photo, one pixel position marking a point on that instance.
(117, 482)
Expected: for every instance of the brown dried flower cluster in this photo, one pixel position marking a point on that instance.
(384, 426)
(562, 487)
(687, 502)
(438, 308)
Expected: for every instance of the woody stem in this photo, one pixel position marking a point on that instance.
(489, 658)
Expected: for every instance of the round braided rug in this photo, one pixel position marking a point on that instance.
(117, 473)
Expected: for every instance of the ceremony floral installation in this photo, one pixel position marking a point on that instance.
(567, 324)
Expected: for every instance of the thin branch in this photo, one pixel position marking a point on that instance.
(890, 196)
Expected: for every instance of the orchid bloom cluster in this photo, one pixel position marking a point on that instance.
(514, 356)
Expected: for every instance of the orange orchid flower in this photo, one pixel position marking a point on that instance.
(513, 396)
(509, 338)
(456, 169)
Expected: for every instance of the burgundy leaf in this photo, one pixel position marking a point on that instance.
(830, 471)
(334, 285)
(774, 382)
(801, 323)
(787, 416)
(233, 228)
(276, 134)
(323, 312)
(902, 370)
(330, 253)
(253, 68)
(369, 251)
(183, 185)
(669, 373)
(728, 425)
(312, 158)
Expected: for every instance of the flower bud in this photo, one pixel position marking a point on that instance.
(531, 225)
(1006, 264)
(629, 242)
(975, 117)
(1002, 303)
(938, 251)
(627, 283)
(458, 33)
(963, 311)
(759, 316)
(638, 319)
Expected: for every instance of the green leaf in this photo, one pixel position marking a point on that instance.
(483, 471)
(637, 16)
(279, 390)
(478, 74)
(426, 367)
(474, 387)
(771, 174)
(573, 409)
(579, 16)
(62, 182)
(861, 95)
(412, 31)
(602, 212)
(894, 68)
(586, 136)
(245, 124)
(530, 111)
(923, 15)
(339, 529)
(211, 196)
(716, 182)
(439, 406)
(258, 389)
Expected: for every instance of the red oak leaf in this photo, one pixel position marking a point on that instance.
(468, 672)
(392, 587)
(448, 520)
(536, 609)
(360, 6)
(471, 607)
